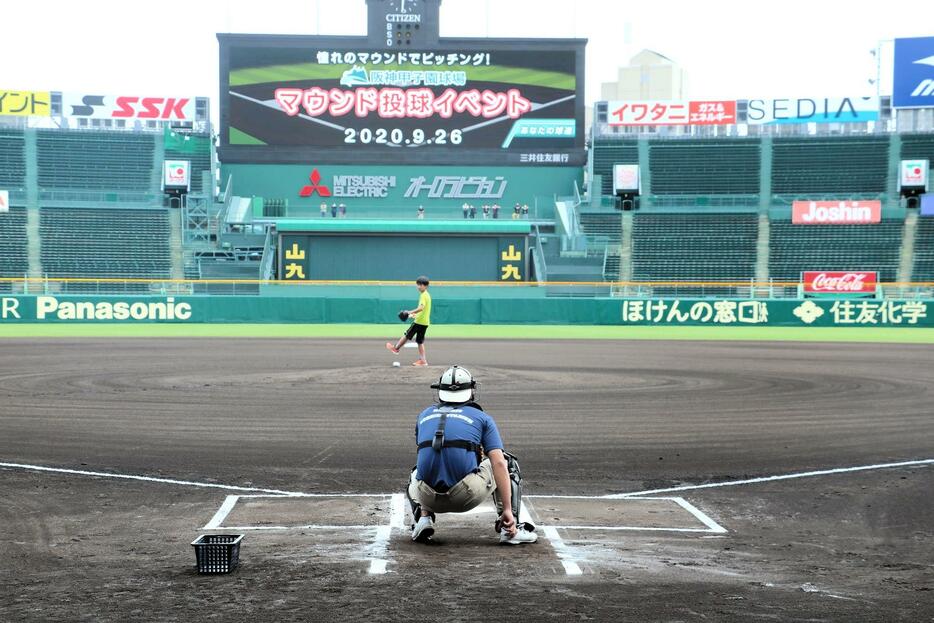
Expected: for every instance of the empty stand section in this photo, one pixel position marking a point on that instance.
(102, 161)
(12, 159)
(924, 250)
(603, 225)
(606, 153)
(14, 261)
(835, 165)
(796, 248)
(698, 167)
(689, 247)
(918, 146)
(105, 243)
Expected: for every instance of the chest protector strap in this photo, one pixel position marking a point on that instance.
(438, 441)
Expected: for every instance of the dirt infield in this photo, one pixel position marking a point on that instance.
(586, 418)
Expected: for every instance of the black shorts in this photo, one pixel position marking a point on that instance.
(416, 332)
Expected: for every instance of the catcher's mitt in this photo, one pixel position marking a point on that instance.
(403, 315)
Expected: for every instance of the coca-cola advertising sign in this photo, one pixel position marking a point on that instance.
(839, 282)
(836, 212)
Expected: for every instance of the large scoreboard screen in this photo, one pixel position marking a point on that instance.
(467, 101)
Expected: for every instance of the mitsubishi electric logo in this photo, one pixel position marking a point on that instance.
(315, 187)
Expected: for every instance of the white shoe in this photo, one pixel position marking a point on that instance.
(423, 530)
(522, 536)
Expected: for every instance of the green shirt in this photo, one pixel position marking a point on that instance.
(424, 301)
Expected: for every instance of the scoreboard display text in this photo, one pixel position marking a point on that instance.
(347, 103)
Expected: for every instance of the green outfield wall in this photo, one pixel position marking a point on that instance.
(397, 191)
(317, 310)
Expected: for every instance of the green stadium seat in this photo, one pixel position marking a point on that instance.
(924, 248)
(705, 167)
(605, 153)
(830, 165)
(14, 260)
(796, 248)
(105, 243)
(12, 159)
(93, 160)
(692, 247)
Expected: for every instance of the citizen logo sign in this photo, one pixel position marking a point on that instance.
(840, 282)
(407, 18)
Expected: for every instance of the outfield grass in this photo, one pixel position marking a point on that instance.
(520, 332)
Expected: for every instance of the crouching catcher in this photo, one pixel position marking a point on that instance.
(452, 475)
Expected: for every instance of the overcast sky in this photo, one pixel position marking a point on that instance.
(730, 49)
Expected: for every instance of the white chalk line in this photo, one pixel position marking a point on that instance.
(378, 565)
(218, 519)
(322, 527)
(562, 551)
(749, 481)
(167, 481)
(380, 546)
(712, 525)
(612, 496)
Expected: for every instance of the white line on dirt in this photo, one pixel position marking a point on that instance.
(397, 515)
(749, 481)
(701, 516)
(342, 528)
(221, 513)
(380, 546)
(562, 550)
(631, 528)
(168, 481)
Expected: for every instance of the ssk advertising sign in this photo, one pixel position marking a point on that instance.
(836, 212)
(839, 282)
(82, 106)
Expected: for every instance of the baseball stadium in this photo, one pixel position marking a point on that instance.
(704, 329)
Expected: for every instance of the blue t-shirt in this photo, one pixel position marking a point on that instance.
(448, 467)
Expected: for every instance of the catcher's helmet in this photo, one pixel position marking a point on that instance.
(455, 385)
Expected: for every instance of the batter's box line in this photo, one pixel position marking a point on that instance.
(397, 516)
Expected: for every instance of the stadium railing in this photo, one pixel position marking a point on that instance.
(747, 289)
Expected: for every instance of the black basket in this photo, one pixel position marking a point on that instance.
(217, 553)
